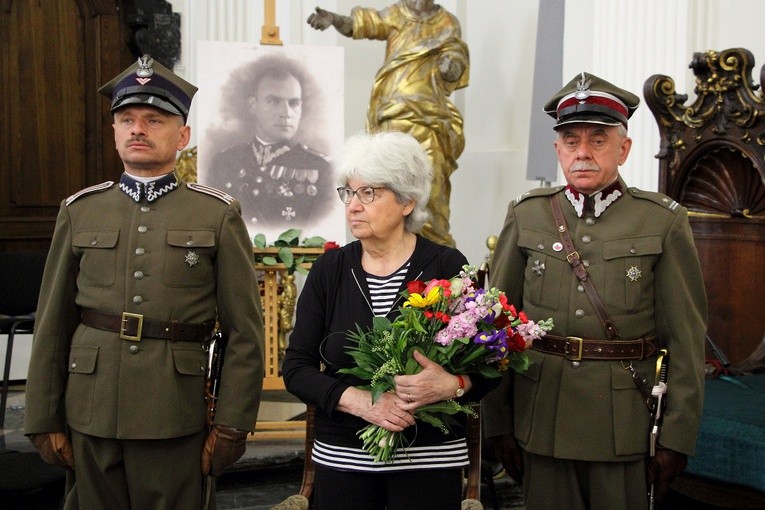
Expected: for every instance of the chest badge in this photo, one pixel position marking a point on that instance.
(538, 268)
(192, 258)
(634, 274)
(557, 246)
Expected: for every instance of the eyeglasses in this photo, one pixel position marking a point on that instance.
(366, 194)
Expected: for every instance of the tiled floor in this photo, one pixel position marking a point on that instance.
(269, 472)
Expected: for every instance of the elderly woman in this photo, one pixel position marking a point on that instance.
(385, 181)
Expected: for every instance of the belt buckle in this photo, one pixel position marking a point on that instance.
(123, 326)
(567, 348)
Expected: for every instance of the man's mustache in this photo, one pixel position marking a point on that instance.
(139, 139)
(584, 165)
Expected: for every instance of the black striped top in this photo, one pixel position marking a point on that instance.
(384, 292)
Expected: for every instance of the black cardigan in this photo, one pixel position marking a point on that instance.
(329, 306)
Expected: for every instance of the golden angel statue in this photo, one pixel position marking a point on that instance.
(425, 61)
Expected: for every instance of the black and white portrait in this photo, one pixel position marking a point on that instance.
(270, 120)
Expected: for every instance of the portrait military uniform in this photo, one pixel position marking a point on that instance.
(281, 186)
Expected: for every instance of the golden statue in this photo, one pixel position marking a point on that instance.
(425, 61)
(287, 301)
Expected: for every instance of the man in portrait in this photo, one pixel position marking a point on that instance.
(280, 182)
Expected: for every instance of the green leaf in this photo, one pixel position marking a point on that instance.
(269, 260)
(314, 242)
(290, 237)
(259, 240)
(285, 255)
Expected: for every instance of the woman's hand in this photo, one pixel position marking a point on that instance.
(433, 384)
(388, 412)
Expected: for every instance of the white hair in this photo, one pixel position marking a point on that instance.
(392, 159)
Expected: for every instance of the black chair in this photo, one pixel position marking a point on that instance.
(19, 289)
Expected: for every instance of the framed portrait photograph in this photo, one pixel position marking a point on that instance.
(270, 120)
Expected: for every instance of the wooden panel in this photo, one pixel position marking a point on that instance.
(732, 254)
(55, 131)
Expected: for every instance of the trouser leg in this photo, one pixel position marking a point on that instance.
(147, 474)
(580, 485)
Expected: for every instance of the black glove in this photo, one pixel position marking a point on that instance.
(509, 453)
(54, 448)
(662, 469)
(223, 446)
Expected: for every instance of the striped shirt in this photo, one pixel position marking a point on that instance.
(384, 290)
(449, 454)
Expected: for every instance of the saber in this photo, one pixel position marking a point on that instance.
(216, 348)
(658, 392)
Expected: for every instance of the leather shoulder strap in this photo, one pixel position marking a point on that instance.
(572, 256)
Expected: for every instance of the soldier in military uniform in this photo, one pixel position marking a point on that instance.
(137, 275)
(582, 424)
(281, 183)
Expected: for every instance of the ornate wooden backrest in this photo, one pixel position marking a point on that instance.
(712, 161)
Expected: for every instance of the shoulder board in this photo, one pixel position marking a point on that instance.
(88, 191)
(537, 192)
(213, 192)
(314, 152)
(657, 198)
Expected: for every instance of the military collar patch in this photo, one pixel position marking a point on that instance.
(264, 154)
(149, 191)
(598, 202)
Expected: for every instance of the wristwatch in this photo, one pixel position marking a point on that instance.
(461, 390)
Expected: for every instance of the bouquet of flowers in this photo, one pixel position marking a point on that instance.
(464, 329)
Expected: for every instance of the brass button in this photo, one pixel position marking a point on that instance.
(540, 246)
(580, 287)
(137, 300)
(633, 251)
(143, 229)
(134, 349)
(94, 242)
(590, 221)
(73, 365)
(145, 208)
(586, 239)
(579, 313)
(575, 364)
(138, 275)
(140, 251)
(586, 263)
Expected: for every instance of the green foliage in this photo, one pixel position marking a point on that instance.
(285, 242)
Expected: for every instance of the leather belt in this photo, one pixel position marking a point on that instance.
(133, 327)
(576, 348)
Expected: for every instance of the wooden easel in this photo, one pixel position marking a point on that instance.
(269, 33)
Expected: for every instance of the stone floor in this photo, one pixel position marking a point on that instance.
(269, 472)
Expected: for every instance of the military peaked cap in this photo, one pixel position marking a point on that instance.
(150, 83)
(587, 98)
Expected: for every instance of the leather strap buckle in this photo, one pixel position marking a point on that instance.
(126, 318)
(578, 344)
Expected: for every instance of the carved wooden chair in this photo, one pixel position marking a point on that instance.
(712, 161)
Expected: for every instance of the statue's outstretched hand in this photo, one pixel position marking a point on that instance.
(449, 68)
(321, 19)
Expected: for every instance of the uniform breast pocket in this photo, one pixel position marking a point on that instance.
(189, 258)
(97, 250)
(546, 270)
(629, 271)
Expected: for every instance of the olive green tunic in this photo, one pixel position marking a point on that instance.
(184, 256)
(642, 260)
